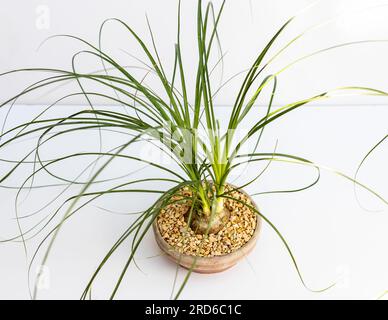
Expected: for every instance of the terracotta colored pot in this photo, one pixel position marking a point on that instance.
(209, 264)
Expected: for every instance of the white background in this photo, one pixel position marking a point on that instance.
(245, 28)
(332, 237)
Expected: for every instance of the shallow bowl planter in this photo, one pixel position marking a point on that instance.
(212, 264)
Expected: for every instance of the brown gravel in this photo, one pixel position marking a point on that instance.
(234, 235)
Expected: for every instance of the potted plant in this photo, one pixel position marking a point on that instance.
(200, 221)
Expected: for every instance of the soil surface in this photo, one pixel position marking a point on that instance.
(237, 231)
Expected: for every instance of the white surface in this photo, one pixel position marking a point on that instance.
(247, 25)
(332, 237)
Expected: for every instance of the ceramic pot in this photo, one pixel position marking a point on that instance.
(209, 264)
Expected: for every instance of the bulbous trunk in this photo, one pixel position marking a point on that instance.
(211, 220)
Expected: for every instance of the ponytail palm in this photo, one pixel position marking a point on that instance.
(188, 130)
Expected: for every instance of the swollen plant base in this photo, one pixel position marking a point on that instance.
(215, 252)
